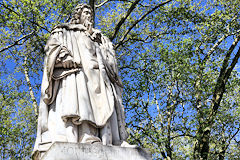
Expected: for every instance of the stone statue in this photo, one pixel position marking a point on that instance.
(81, 89)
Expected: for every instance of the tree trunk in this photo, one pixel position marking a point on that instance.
(202, 147)
(92, 4)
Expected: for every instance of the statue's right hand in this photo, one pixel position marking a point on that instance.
(89, 26)
(68, 62)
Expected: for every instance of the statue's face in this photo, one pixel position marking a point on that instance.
(86, 15)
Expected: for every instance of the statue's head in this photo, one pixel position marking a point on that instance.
(82, 13)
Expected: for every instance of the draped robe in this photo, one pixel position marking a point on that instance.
(89, 92)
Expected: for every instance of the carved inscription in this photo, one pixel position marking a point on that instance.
(74, 151)
(87, 152)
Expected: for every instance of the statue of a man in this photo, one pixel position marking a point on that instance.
(81, 90)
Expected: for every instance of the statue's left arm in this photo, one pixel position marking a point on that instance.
(111, 61)
(111, 67)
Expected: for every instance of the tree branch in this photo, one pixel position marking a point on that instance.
(233, 64)
(101, 4)
(137, 21)
(215, 46)
(224, 69)
(223, 77)
(182, 135)
(122, 20)
(16, 42)
(39, 25)
(218, 43)
(30, 87)
(233, 136)
(11, 10)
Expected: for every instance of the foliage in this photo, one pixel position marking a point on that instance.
(18, 122)
(177, 58)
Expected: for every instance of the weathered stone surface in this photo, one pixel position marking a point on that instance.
(81, 90)
(78, 151)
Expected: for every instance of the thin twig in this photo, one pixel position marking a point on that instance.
(101, 4)
(104, 2)
(182, 135)
(143, 40)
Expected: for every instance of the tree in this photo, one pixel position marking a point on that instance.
(187, 79)
(177, 59)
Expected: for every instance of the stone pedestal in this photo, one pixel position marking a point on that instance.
(78, 151)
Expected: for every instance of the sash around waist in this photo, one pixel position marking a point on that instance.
(60, 73)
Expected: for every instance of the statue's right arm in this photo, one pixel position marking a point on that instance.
(64, 59)
(57, 52)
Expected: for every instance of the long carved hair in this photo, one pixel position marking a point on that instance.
(78, 12)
